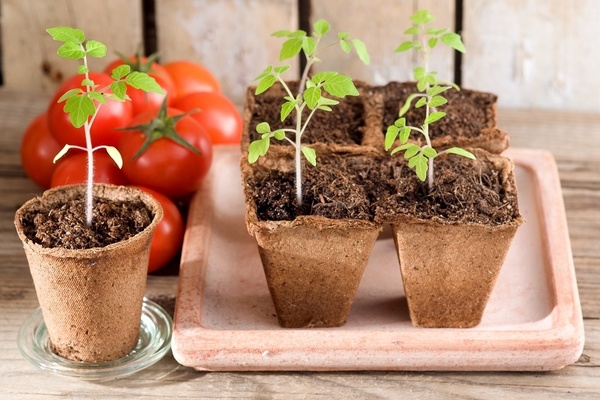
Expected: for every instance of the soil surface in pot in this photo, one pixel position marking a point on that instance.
(464, 191)
(339, 187)
(344, 125)
(65, 225)
(466, 110)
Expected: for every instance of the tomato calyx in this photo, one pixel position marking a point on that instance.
(161, 126)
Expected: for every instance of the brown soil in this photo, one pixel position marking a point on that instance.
(66, 226)
(464, 191)
(339, 187)
(468, 112)
(344, 125)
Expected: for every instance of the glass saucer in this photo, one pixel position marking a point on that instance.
(156, 327)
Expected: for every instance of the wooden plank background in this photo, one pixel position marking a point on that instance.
(532, 53)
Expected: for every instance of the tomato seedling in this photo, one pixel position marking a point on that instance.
(429, 95)
(310, 91)
(82, 104)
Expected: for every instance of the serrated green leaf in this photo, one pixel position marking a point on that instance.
(115, 155)
(286, 109)
(361, 51)
(421, 17)
(257, 148)
(419, 73)
(71, 51)
(421, 168)
(400, 148)
(324, 108)
(433, 117)
(432, 42)
(120, 71)
(290, 48)
(279, 134)
(281, 33)
(95, 48)
(68, 94)
(435, 90)
(263, 127)
(343, 36)
(400, 122)
(265, 83)
(390, 136)
(422, 84)
(321, 27)
(461, 152)
(281, 69)
(422, 101)
(346, 46)
(413, 161)
(429, 152)
(340, 86)
(267, 71)
(119, 89)
(411, 150)
(143, 81)
(309, 45)
(436, 32)
(61, 153)
(97, 96)
(312, 96)
(453, 40)
(321, 77)
(79, 108)
(66, 34)
(82, 69)
(437, 101)
(310, 155)
(326, 101)
(404, 134)
(404, 46)
(298, 34)
(88, 82)
(413, 30)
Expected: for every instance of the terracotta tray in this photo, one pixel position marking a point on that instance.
(224, 318)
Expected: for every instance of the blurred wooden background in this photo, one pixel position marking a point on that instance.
(532, 53)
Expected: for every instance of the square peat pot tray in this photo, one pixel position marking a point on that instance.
(225, 320)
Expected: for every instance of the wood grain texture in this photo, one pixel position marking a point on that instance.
(380, 24)
(29, 53)
(232, 38)
(580, 177)
(534, 53)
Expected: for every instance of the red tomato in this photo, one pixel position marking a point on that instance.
(168, 236)
(166, 166)
(140, 100)
(217, 114)
(190, 77)
(38, 149)
(74, 170)
(111, 116)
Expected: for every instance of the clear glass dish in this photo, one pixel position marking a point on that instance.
(156, 327)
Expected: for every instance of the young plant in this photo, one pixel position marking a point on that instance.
(82, 104)
(429, 95)
(310, 91)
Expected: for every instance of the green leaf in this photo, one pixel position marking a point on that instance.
(421, 168)
(263, 127)
(390, 136)
(328, 102)
(88, 82)
(143, 81)
(437, 101)
(433, 117)
(419, 73)
(281, 33)
(324, 108)
(346, 46)
(281, 69)
(61, 153)
(120, 71)
(66, 34)
(414, 30)
(312, 96)
(422, 101)
(404, 46)
(290, 48)
(115, 155)
(68, 94)
(79, 108)
(432, 42)
(279, 134)
(257, 148)
(71, 51)
(411, 150)
(406, 106)
(265, 83)
(461, 152)
(421, 17)
(95, 49)
(404, 134)
(309, 46)
(400, 148)
(453, 40)
(119, 89)
(321, 77)
(286, 109)
(266, 72)
(310, 154)
(436, 32)
(361, 51)
(343, 36)
(321, 27)
(435, 90)
(298, 34)
(429, 152)
(97, 96)
(413, 161)
(82, 69)
(340, 86)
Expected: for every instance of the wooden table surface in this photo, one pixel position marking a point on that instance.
(574, 139)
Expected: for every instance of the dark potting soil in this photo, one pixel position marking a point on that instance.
(65, 226)
(463, 191)
(339, 187)
(344, 125)
(465, 111)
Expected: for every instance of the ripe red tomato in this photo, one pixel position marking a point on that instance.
(140, 100)
(217, 114)
(111, 116)
(166, 166)
(74, 170)
(168, 236)
(38, 149)
(190, 77)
